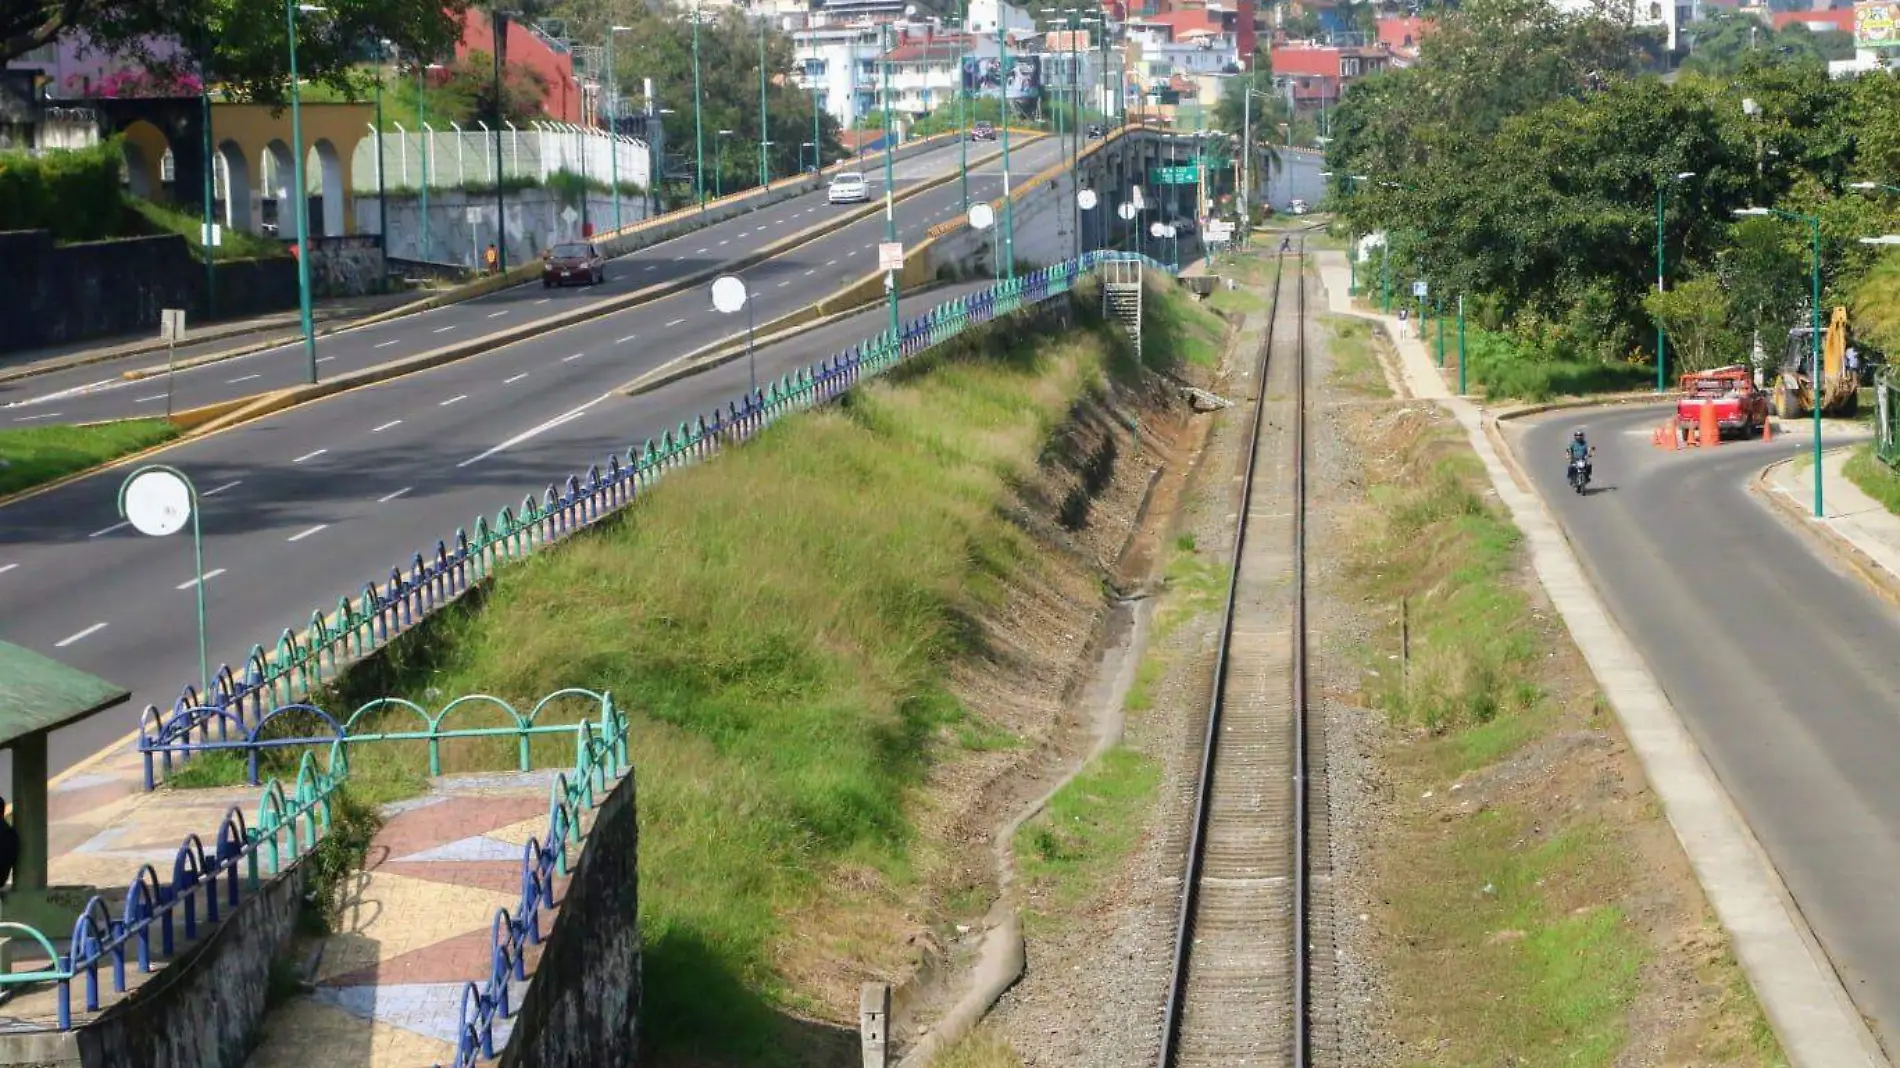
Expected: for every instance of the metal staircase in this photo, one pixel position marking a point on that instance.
(1121, 296)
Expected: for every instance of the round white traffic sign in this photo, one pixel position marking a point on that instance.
(1158, 229)
(728, 293)
(1086, 199)
(157, 503)
(1126, 211)
(982, 216)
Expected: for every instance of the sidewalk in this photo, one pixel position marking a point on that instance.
(1797, 987)
(242, 334)
(1852, 516)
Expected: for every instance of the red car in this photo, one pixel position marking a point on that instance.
(573, 263)
(1740, 408)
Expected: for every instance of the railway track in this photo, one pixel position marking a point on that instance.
(1248, 952)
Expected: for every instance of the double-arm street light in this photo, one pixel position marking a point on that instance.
(291, 10)
(1662, 184)
(1815, 383)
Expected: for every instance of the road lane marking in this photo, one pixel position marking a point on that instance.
(499, 314)
(811, 272)
(302, 534)
(785, 283)
(674, 323)
(309, 456)
(81, 636)
(387, 497)
(512, 381)
(445, 329)
(452, 400)
(110, 529)
(208, 576)
(325, 359)
(626, 339)
(571, 359)
(535, 431)
(544, 300)
(651, 267)
(701, 251)
(386, 344)
(241, 378)
(30, 418)
(723, 244)
(150, 399)
(831, 263)
(386, 426)
(221, 489)
(4, 568)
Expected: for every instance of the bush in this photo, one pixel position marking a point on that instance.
(1503, 365)
(73, 194)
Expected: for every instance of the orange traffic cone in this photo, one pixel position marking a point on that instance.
(1768, 429)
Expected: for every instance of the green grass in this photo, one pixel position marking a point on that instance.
(1502, 367)
(36, 455)
(1236, 302)
(779, 625)
(236, 244)
(1074, 846)
(1355, 363)
(1874, 478)
(1176, 329)
(981, 1048)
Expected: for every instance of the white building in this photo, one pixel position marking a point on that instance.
(983, 16)
(839, 62)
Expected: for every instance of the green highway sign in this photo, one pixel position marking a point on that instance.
(1184, 175)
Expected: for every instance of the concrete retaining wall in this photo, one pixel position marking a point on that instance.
(204, 1008)
(582, 1008)
(59, 294)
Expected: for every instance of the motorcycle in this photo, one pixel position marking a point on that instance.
(1579, 475)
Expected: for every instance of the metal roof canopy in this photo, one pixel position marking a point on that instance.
(37, 696)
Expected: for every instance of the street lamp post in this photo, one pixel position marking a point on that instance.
(1815, 378)
(890, 184)
(963, 107)
(291, 9)
(613, 120)
(1002, 97)
(498, 21)
(1661, 341)
(210, 249)
(719, 161)
(699, 134)
(765, 125)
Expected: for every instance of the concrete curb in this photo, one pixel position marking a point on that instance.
(145, 348)
(1884, 584)
(1799, 991)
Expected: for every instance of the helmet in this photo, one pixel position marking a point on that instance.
(1578, 434)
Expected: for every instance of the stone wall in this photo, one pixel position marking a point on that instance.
(59, 294)
(203, 1009)
(582, 1008)
(346, 266)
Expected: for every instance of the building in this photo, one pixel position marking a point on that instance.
(532, 50)
(926, 69)
(1313, 77)
(1401, 36)
(839, 64)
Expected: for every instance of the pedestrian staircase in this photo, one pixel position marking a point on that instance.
(1121, 297)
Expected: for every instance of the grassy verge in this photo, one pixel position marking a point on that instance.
(1502, 367)
(982, 1048)
(1521, 921)
(236, 244)
(1170, 312)
(780, 626)
(1355, 362)
(1874, 478)
(1072, 848)
(36, 455)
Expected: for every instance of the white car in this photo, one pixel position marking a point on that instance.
(848, 187)
(1299, 207)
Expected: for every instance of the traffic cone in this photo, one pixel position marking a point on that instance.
(1768, 429)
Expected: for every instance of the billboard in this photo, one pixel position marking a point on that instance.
(1874, 24)
(982, 76)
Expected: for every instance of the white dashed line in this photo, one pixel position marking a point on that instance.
(387, 497)
(452, 400)
(811, 272)
(533, 431)
(499, 314)
(626, 339)
(241, 378)
(831, 263)
(30, 418)
(325, 359)
(445, 329)
(544, 300)
(571, 359)
(785, 283)
(88, 632)
(386, 344)
(676, 259)
(512, 381)
(723, 244)
(651, 267)
(302, 534)
(309, 456)
(674, 323)
(4, 568)
(386, 426)
(110, 529)
(150, 399)
(209, 575)
(220, 489)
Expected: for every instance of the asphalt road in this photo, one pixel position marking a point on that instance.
(1780, 664)
(96, 392)
(310, 504)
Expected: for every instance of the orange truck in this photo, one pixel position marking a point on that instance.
(1740, 408)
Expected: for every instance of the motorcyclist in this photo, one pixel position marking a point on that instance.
(1581, 451)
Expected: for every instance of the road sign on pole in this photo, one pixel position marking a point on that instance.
(729, 295)
(171, 327)
(1420, 289)
(890, 256)
(158, 501)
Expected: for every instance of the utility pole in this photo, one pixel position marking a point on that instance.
(890, 180)
(1002, 96)
(699, 134)
(498, 21)
(765, 126)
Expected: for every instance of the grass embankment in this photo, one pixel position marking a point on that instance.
(1522, 920)
(1355, 362)
(1874, 478)
(234, 244)
(780, 625)
(1196, 332)
(36, 455)
(1503, 367)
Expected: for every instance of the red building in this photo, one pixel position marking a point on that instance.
(1314, 76)
(561, 98)
(1400, 36)
(1840, 18)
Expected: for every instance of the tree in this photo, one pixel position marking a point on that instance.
(239, 45)
(1697, 317)
(470, 89)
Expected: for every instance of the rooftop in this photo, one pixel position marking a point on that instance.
(39, 694)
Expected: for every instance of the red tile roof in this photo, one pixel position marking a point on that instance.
(1399, 34)
(940, 49)
(1841, 18)
(1322, 62)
